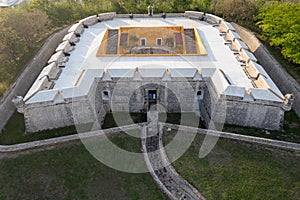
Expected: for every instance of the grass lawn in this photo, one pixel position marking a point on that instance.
(188, 119)
(237, 170)
(70, 172)
(185, 119)
(291, 129)
(109, 121)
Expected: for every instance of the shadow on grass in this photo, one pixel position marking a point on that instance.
(123, 119)
(70, 172)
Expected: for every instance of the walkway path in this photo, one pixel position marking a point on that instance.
(170, 182)
(75, 137)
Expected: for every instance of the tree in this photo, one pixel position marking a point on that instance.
(238, 10)
(20, 29)
(202, 5)
(180, 5)
(279, 22)
(28, 25)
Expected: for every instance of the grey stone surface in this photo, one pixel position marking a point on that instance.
(125, 95)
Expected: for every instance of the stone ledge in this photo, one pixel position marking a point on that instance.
(233, 136)
(65, 139)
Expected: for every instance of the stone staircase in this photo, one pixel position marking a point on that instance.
(112, 41)
(190, 41)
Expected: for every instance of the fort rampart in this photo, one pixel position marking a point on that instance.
(285, 82)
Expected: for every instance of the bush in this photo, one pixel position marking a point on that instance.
(279, 22)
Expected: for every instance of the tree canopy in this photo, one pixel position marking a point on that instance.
(20, 29)
(280, 24)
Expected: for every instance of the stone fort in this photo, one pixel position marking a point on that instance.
(186, 62)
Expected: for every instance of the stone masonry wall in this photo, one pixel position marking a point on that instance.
(254, 115)
(52, 116)
(237, 112)
(131, 96)
(285, 82)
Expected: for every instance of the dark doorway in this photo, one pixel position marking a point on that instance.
(152, 98)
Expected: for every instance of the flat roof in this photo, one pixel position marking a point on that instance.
(84, 55)
(219, 55)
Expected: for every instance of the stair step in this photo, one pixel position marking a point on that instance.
(112, 42)
(190, 41)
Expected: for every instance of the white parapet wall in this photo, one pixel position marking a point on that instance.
(106, 16)
(76, 28)
(59, 58)
(65, 46)
(91, 20)
(225, 27)
(71, 37)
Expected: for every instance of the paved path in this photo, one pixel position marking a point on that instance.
(75, 137)
(64, 139)
(165, 176)
(239, 137)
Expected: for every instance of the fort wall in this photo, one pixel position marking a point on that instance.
(172, 96)
(285, 82)
(239, 112)
(206, 97)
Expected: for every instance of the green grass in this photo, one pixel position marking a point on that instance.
(70, 172)
(290, 133)
(186, 119)
(14, 129)
(123, 119)
(236, 170)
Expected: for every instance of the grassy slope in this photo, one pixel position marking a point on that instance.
(236, 170)
(70, 172)
(109, 121)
